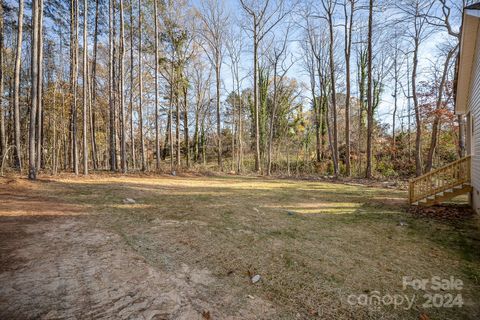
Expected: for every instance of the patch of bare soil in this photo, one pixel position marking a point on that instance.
(55, 264)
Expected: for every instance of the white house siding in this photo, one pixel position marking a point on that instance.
(474, 117)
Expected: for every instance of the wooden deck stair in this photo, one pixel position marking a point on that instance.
(441, 184)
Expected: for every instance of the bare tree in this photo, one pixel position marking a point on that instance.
(234, 46)
(370, 91)
(37, 14)
(16, 91)
(73, 82)
(398, 60)
(140, 93)
(444, 21)
(438, 106)
(132, 134)
(417, 13)
(157, 130)
(85, 85)
(280, 68)
(214, 20)
(112, 140)
(93, 90)
(329, 7)
(3, 139)
(349, 15)
(123, 151)
(318, 43)
(264, 17)
(39, 134)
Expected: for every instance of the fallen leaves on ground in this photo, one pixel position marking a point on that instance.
(443, 212)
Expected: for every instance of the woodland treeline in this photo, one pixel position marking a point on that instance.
(334, 87)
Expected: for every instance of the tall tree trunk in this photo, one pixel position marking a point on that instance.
(93, 94)
(170, 116)
(140, 80)
(348, 47)
(123, 147)
(73, 81)
(334, 97)
(240, 142)
(17, 155)
(369, 92)
(395, 97)
(39, 135)
(362, 79)
(177, 124)
(185, 125)
(132, 134)
(3, 138)
(217, 99)
(112, 139)
(316, 110)
(54, 137)
(36, 12)
(196, 136)
(85, 85)
(255, 98)
(418, 136)
(157, 130)
(272, 120)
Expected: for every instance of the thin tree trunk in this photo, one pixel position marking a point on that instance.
(395, 104)
(132, 135)
(112, 140)
(17, 155)
(3, 138)
(39, 135)
(73, 82)
(157, 131)
(418, 136)
(334, 97)
(240, 142)
(348, 46)
(255, 98)
(54, 138)
(185, 126)
(36, 5)
(196, 137)
(217, 98)
(177, 124)
(85, 85)
(272, 120)
(369, 92)
(93, 93)
(123, 150)
(170, 116)
(140, 80)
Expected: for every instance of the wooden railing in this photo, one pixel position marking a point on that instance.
(441, 179)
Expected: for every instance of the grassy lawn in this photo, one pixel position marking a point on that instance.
(312, 243)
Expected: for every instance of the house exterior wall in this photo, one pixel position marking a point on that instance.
(473, 128)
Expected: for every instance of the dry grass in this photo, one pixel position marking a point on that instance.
(313, 243)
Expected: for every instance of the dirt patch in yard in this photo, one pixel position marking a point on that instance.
(55, 264)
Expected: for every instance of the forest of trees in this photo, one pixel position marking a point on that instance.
(361, 88)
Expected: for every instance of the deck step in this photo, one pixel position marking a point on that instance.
(444, 195)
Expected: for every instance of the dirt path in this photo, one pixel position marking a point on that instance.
(62, 268)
